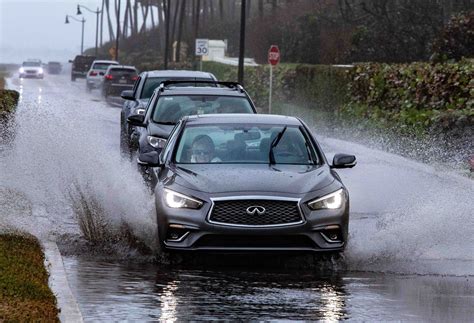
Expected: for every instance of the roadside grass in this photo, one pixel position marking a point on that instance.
(24, 291)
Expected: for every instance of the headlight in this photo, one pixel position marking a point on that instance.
(331, 201)
(177, 200)
(40, 70)
(22, 70)
(156, 142)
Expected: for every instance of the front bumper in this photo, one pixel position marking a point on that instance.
(31, 75)
(186, 229)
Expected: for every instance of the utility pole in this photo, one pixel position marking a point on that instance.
(242, 43)
(167, 34)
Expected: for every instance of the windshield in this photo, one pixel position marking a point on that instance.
(152, 83)
(169, 109)
(31, 64)
(126, 72)
(244, 144)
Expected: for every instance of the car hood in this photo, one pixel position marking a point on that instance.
(159, 130)
(220, 178)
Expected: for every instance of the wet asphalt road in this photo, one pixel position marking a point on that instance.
(410, 256)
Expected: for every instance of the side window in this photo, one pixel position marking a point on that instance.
(150, 105)
(135, 86)
(171, 140)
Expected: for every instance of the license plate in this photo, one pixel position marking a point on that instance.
(122, 81)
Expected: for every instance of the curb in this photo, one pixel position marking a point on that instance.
(66, 302)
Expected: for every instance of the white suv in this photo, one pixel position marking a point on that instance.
(31, 68)
(96, 73)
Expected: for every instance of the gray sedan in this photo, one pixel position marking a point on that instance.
(245, 182)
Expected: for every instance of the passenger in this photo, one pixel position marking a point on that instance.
(203, 150)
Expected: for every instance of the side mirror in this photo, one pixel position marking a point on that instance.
(70, 61)
(127, 95)
(151, 159)
(136, 120)
(343, 161)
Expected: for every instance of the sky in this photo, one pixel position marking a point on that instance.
(36, 29)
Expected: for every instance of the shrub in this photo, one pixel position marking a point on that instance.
(456, 39)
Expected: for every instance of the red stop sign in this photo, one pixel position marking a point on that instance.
(274, 55)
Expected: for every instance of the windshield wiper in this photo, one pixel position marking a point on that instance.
(274, 143)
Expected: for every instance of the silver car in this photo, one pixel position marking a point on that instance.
(248, 182)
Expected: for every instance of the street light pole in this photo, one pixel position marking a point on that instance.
(167, 33)
(97, 12)
(242, 43)
(82, 36)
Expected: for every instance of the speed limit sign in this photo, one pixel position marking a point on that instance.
(202, 47)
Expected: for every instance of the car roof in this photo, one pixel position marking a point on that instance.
(201, 90)
(178, 73)
(244, 118)
(105, 61)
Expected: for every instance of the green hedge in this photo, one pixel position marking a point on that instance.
(314, 85)
(418, 95)
(8, 101)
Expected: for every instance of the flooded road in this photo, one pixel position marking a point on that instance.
(410, 255)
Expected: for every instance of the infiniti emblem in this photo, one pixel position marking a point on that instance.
(252, 210)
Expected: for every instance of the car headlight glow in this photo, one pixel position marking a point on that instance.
(156, 142)
(178, 201)
(22, 70)
(331, 201)
(40, 70)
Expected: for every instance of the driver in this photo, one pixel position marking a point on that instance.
(203, 150)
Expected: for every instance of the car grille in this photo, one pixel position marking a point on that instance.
(31, 71)
(234, 212)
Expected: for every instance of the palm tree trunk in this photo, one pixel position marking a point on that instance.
(111, 28)
(102, 22)
(145, 16)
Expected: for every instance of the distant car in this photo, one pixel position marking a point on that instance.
(118, 78)
(137, 98)
(249, 183)
(95, 75)
(54, 67)
(80, 66)
(169, 103)
(31, 68)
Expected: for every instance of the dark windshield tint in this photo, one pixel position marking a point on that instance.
(127, 72)
(31, 64)
(244, 144)
(169, 109)
(101, 66)
(152, 83)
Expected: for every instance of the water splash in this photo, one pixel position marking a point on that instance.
(60, 159)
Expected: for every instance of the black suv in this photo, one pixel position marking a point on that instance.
(80, 66)
(118, 78)
(170, 102)
(137, 98)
